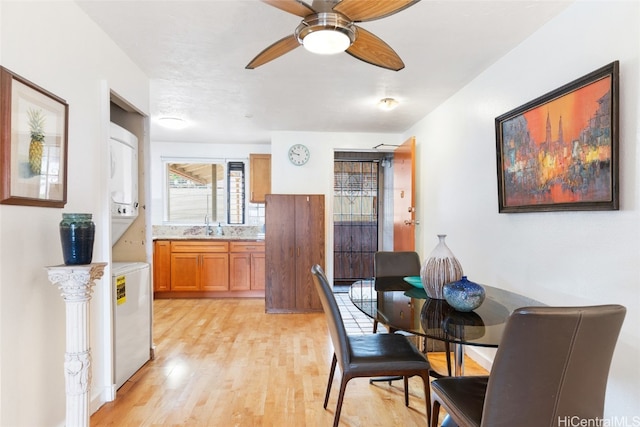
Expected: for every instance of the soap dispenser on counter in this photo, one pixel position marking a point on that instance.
(219, 231)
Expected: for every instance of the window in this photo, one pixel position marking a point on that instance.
(213, 191)
(235, 205)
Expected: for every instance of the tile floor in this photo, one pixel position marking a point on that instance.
(355, 321)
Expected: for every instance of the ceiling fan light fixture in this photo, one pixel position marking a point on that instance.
(172, 122)
(387, 104)
(326, 42)
(326, 33)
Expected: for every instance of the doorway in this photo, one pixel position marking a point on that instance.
(358, 214)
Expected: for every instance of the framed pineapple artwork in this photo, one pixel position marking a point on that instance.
(33, 144)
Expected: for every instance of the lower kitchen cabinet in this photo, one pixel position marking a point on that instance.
(246, 266)
(208, 268)
(199, 266)
(162, 266)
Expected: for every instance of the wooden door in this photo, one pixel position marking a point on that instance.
(310, 226)
(280, 275)
(215, 272)
(161, 266)
(257, 271)
(185, 271)
(239, 271)
(404, 178)
(260, 179)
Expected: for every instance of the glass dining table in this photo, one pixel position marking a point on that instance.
(400, 306)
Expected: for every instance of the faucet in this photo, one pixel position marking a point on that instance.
(207, 230)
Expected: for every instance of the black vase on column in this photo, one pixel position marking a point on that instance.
(77, 232)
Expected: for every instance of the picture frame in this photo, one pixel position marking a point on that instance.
(33, 144)
(559, 152)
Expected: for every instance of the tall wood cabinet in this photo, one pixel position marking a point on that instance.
(295, 241)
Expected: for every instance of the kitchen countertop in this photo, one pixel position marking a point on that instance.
(198, 232)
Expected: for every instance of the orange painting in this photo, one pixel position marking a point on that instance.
(559, 150)
(575, 109)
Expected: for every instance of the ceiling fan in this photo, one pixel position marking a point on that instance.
(328, 26)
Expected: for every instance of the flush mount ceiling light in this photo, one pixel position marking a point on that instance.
(172, 122)
(387, 104)
(326, 33)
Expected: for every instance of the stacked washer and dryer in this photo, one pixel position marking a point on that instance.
(130, 280)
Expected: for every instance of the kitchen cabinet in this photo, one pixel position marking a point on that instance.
(295, 241)
(161, 266)
(260, 177)
(199, 266)
(208, 268)
(258, 271)
(246, 266)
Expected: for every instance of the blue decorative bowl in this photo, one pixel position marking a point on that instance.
(463, 295)
(414, 281)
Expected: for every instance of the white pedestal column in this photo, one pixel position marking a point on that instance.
(76, 283)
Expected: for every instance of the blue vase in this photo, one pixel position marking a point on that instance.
(77, 232)
(463, 295)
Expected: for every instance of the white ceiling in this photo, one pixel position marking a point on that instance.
(195, 53)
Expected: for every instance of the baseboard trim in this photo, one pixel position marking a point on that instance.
(107, 394)
(481, 359)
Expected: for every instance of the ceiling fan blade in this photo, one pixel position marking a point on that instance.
(274, 51)
(360, 11)
(295, 7)
(370, 48)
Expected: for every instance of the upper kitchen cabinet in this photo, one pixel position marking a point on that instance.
(295, 241)
(260, 180)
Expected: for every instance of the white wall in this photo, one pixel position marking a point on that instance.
(559, 258)
(55, 45)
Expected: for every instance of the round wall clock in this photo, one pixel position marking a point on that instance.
(299, 154)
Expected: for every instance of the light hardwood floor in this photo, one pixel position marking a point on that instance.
(224, 362)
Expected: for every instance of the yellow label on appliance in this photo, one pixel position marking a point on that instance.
(121, 290)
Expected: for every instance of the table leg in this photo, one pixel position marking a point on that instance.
(458, 356)
(448, 422)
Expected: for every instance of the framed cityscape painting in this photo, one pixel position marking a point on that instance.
(559, 152)
(33, 144)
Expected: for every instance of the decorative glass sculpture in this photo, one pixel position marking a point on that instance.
(464, 295)
(441, 267)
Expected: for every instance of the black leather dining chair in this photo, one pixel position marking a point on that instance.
(402, 264)
(370, 355)
(394, 264)
(550, 369)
